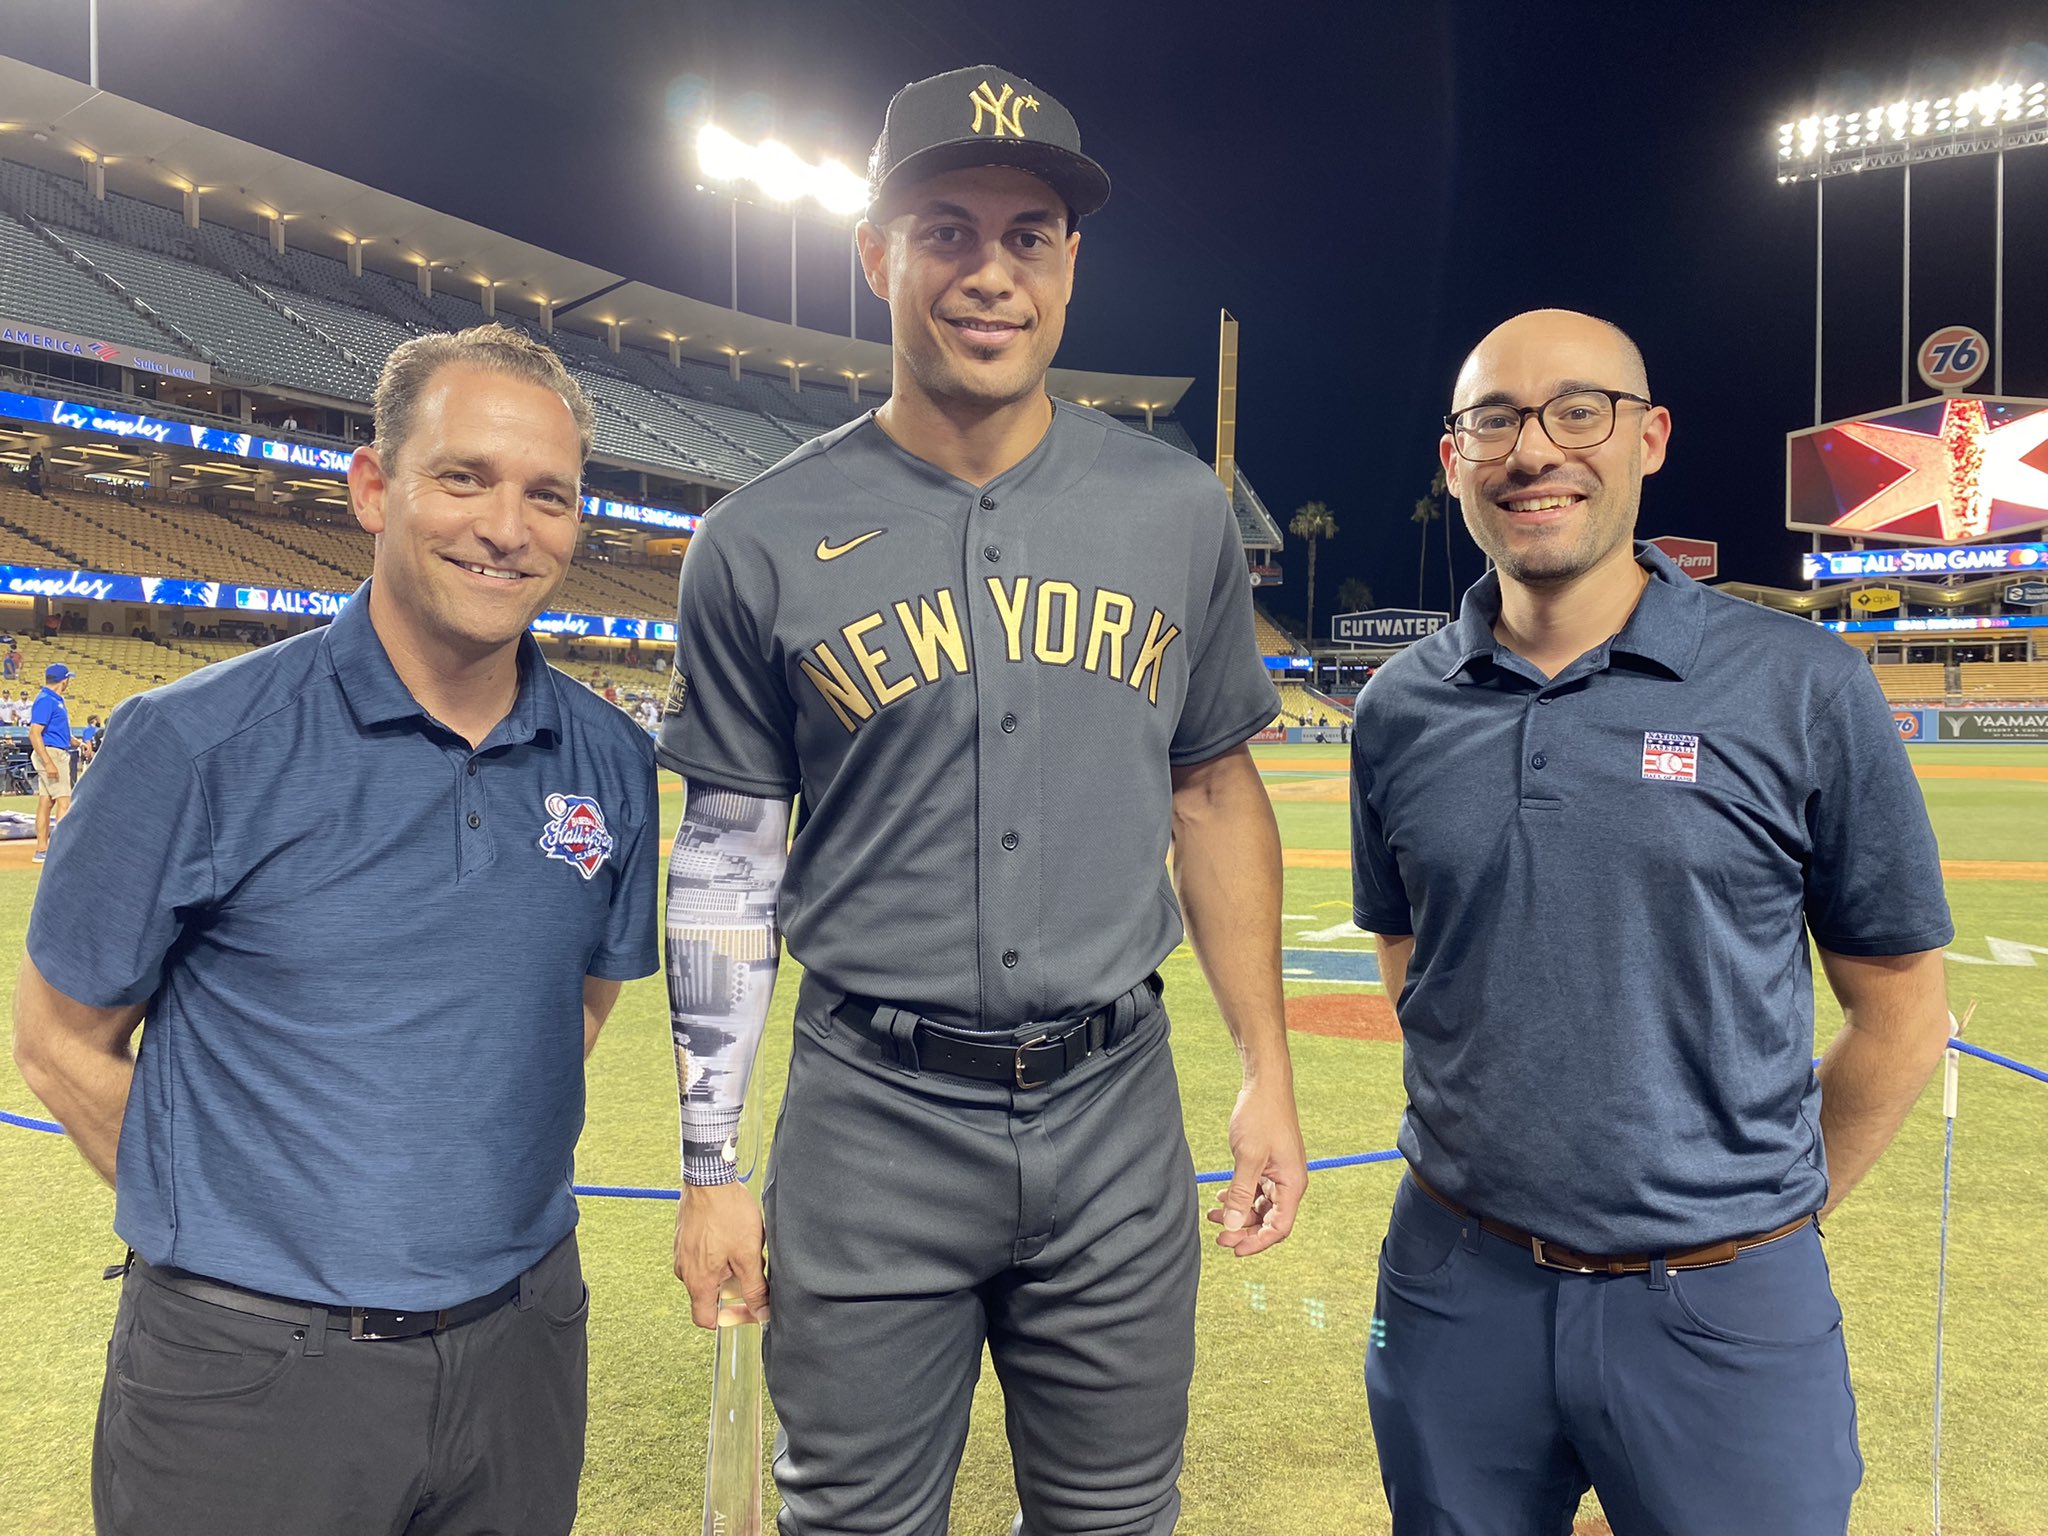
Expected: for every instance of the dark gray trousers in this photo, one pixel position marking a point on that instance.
(913, 1217)
(218, 1423)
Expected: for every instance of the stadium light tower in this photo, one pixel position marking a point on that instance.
(785, 179)
(1988, 119)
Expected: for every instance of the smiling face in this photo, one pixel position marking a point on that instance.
(976, 266)
(1548, 515)
(475, 515)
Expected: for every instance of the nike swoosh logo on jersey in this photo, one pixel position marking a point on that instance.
(827, 550)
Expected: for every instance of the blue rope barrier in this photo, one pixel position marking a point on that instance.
(1220, 1176)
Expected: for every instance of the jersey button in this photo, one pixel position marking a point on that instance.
(1539, 761)
(475, 821)
(1542, 698)
(1010, 957)
(991, 553)
(988, 503)
(1010, 723)
(1009, 840)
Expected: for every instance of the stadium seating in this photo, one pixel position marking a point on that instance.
(1273, 640)
(35, 279)
(2009, 682)
(1913, 682)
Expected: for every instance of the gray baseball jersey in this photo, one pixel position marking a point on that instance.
(979, 694)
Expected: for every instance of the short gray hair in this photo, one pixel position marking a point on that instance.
(499, 348)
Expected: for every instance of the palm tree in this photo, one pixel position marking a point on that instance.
(1312, 523)
(1426, 512)
(1440, 488)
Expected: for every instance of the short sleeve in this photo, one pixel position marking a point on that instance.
(1230, 695)
(1873, 881)
(729, 719)
(632, 937)
(42, 712)
(129, 867)
(1379, 898)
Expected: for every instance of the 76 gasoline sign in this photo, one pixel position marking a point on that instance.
(1954, 357)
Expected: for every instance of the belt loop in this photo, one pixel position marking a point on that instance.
(1660, 1278)
(524, 1300)
(314, 1331)
(900, 1030)
(1470, 1233)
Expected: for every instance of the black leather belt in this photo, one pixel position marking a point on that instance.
(1044, 1059)
(356, 1322)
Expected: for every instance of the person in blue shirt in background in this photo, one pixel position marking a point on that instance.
(375, 889)
(49, 743)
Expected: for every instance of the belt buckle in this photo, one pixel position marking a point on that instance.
(380, 1323)
(1544, 1261)
(1017, 1064)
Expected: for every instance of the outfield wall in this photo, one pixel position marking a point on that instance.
(1948, 726)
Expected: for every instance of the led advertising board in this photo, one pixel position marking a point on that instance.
(290, 602)
(1970, 560)
(1945, 471)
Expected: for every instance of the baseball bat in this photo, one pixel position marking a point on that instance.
(732, 1457)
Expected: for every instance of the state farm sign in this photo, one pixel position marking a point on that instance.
(1698, 558)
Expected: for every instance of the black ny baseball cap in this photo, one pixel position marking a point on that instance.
(983, 115)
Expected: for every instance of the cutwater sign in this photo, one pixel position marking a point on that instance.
(1387, 626)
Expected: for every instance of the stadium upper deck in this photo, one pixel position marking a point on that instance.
(129, 227)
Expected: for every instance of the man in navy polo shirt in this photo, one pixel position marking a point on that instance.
(1594, 823)
(374, 889)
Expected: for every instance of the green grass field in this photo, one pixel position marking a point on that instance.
(1279, 1439)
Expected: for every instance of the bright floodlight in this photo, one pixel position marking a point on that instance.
(839, 189)
(1983, 120)
(779, 173)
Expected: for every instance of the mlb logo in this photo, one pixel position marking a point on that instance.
(1673, 758)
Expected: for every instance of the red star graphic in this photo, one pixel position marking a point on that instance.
(1958, 472)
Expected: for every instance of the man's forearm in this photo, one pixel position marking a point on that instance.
(1895, 1018)
(1226, 867)
(725, 876)
(83, 1076)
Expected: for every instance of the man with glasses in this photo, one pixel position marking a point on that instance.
(1593, 824)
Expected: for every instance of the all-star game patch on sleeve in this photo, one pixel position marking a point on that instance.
(723, 949)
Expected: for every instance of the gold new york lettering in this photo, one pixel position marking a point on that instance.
(931, 633)
(1152, 654)
(1003, 111)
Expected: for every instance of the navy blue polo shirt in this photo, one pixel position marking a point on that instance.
(362, 945)
(1610, 877)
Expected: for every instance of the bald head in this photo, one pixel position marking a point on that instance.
(1562, 346)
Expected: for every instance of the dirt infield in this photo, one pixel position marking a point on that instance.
(1344, 1015)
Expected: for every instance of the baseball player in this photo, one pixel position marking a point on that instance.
(1002, 649)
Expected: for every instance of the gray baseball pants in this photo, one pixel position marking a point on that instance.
(913, 1217)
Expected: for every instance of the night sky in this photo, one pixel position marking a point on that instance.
(1369, 188)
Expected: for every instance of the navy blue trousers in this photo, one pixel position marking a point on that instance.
(1702, 1402)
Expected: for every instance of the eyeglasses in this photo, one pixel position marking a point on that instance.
(1580, 418)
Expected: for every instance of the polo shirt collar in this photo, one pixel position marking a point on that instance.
(378, 696)
(1665, 628)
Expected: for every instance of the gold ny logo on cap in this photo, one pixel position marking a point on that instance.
(988, 103)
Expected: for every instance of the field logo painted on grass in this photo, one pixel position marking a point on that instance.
(2003, 952)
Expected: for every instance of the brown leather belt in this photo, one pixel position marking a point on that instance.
(1552, 1256)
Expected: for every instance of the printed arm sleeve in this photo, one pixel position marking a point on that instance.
(724, 876)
